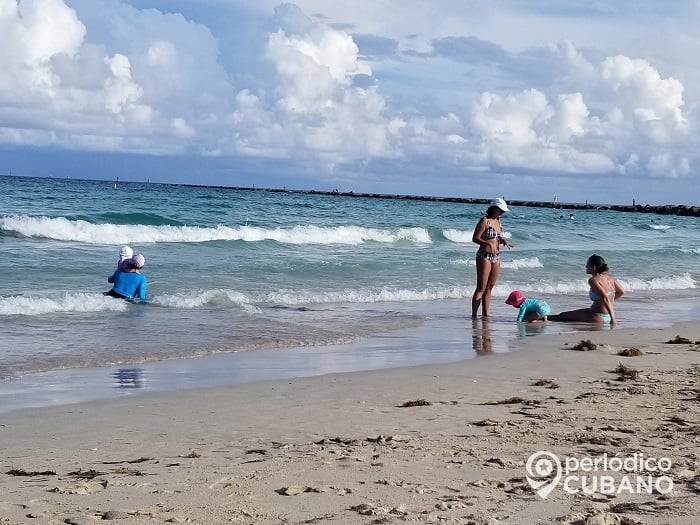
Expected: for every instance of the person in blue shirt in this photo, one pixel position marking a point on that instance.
(129, 283)
(529, 310)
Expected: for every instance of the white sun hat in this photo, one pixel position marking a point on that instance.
(125, 253)
(500, 204)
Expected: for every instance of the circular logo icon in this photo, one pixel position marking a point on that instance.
(543, 464)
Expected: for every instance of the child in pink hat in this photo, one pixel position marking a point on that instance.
(529, 310)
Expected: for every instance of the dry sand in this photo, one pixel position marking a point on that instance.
(343, 449)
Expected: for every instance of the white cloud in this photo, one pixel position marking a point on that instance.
(526, 131)
(165, 71)
(182, 128)
(518, 88)
(120, 90)
(31, 34)
(45, 28)
(313, 102)
(648, 102)
(634, 115)
(570, 117)
(664, 165)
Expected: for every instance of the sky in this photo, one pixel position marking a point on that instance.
(587, 100)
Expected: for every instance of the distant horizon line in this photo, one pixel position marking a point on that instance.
(664, 209)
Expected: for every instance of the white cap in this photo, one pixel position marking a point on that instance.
(125, 253)
(500, 204)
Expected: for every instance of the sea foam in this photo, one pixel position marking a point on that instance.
(78, 302)
(63, 229)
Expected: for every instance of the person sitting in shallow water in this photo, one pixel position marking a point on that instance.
(603, 292)
(129, 284)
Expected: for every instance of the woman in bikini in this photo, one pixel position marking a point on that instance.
(603, 292)
(489, 236)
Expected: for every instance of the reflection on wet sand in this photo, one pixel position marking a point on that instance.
(481, 336)
(129, 378)
(529, 329)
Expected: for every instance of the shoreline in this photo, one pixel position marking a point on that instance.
(431, 444)
(443, 337)
(441, 340)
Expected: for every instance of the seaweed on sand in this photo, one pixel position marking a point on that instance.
(630, 352)
(415, 403)
(625, 372)
(585, 345)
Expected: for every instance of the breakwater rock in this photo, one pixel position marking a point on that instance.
(666, 209)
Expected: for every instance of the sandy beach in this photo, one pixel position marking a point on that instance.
(431, 444)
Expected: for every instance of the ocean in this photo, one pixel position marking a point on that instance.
(269, 276)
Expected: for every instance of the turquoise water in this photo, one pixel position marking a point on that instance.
(238, 270)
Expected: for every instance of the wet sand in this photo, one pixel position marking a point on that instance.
(446, 338)
(441, 443)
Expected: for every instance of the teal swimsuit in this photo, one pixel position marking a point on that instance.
(541, 308)
(595, 297)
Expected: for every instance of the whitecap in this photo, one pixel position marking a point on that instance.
(63, 229)
(79, 302)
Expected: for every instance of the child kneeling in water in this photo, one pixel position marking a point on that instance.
(529, 309)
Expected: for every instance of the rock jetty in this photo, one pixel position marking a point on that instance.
(666, 209)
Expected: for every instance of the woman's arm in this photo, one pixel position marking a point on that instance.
(502, 240)
(608, 306)
(606, 300)
(619, 290)
(609, 301)
(492, 244)
(479, 231)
